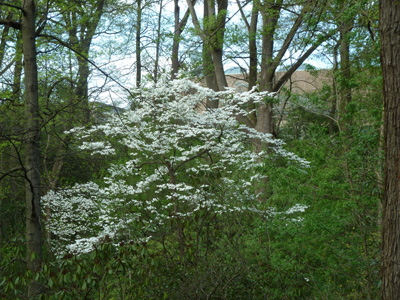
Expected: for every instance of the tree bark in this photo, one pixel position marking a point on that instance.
(253, 67)
(390, 60)
(271, 12)
(345, 73)
(32, 147)
(208, 64)
(4, 38)
(216, 39)
(179, 25)
(212, 36)
(253, 59)
(138, 48)
(82, 88)
(81, 29)
(158, 41)
(16, 89)
(334, 93)
(270, 16)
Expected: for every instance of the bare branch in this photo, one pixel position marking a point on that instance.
(192, 158)
(289, 38)
(195, 20)
(88, 60)
(12, 6)
(11, 23)
(19, 168)
(300, 61)
(43, 20)
(243, 15)
(7, 67)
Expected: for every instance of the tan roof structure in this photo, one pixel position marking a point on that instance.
(300, 82)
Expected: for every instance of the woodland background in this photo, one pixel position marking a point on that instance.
(309, 223)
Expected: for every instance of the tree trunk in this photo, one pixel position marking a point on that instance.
(179, 25)
(82, 87)
(217, 39)
(213, 39)
(334, 98)
(270, 13)
(176, 41)
(16, 89)
(345, 74)
(138, 38)
(217, 56)
(158, 41)
(4, 38)
(208, 64)
(208, 69)
(253, 45)
(270, 18)
(253, 60)
(32, 147)
(81, 33)
(390, 59)
(52, 178)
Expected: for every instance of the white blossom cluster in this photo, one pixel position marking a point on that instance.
(181, 160)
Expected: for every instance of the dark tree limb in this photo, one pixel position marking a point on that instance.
(13, 6)
(19, 168)
(11, 23)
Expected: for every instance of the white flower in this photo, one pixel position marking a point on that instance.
(179, 161)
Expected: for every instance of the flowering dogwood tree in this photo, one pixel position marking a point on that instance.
(183, 160)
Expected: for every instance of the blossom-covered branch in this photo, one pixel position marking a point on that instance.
(181, 160)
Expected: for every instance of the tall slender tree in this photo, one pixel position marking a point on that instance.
(212, 35)
(306, 21)
(31, 165)
(138, 42)
(390, 60)
(178, 29)
(81, 22)
(32, 144)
